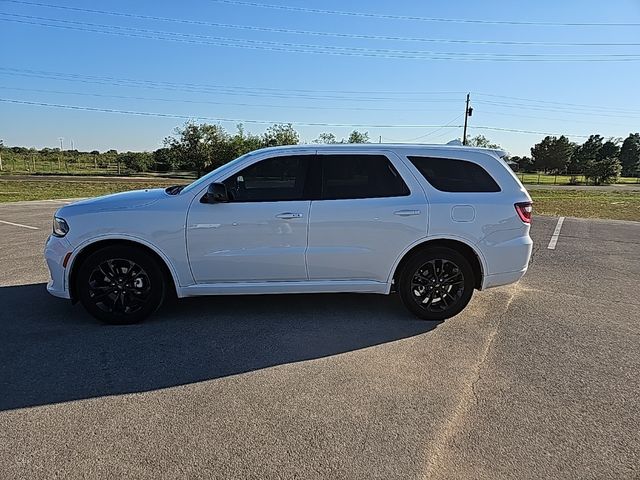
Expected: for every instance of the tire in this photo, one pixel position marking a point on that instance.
(120, 285)
(436, 284)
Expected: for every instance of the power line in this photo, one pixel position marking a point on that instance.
(573, 110)
(427, 134)
(266, 122)
(232, 92)
(308, 94)
(214, 119)
(215, 88)
(423, 19)
(517, 115)
(530, 132)
(301, 94)
(207, 102)
(581, 105)
(322, 34)
(313, 49)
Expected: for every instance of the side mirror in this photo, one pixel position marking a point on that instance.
(216, 193)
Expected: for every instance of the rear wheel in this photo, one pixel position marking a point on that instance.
(120, 285)
(436, 284)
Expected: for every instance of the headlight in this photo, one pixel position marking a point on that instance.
(60, 227)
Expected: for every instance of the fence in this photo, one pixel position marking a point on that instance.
(540, 178)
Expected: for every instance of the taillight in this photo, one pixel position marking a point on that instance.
(524, 209)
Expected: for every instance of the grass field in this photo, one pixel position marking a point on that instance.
(16, 190)
(620, 205)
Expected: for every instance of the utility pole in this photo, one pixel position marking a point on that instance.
(60, 154)
(468, 111)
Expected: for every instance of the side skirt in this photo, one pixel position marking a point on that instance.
(276, 287)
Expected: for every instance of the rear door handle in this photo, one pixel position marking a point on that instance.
(407, 213)
(289, 215)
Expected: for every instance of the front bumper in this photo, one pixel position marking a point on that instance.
(55, 250)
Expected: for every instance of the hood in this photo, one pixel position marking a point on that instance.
(115, 201)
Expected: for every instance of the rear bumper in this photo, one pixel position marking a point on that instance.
(498, 279)
(54, 252)
(507, 254)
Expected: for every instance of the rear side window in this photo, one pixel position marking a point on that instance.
(449, 175)
(360, 176)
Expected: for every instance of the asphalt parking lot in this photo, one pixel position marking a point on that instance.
(536, 380)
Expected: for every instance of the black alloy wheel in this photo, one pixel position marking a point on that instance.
(120, 285)
(436, 284)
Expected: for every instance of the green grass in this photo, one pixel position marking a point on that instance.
(16, 190)
(586, 203)
(568, 202)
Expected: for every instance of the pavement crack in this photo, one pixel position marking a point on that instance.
(468, 397)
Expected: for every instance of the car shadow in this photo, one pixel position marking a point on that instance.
(51, 351)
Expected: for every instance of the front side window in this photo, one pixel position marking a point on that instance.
(360, 176)
(271, 180)
(452, 175)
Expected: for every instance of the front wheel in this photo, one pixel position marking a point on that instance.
(120, 285)
(436, 284)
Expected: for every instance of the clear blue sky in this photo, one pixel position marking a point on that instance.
(211, 76)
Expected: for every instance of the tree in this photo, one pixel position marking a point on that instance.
(584, 154)
(190, 148)
(1, 148)
(136, 161)
(524, 164)
(552, 154)
(326, 138)
(164, 159)
(358, 137)
(630, 155)
(482, 141)
(280, 134)
(243, 142)
(606, 170)
(610, 149)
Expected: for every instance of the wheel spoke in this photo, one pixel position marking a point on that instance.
(112, 286)
(437, 275)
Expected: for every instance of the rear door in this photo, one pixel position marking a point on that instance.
(370, 208)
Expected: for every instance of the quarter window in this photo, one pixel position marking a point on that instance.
(271, 180)
(360, 176)
(452, 175)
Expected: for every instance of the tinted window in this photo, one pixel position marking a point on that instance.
(449, 175)
(270, 180)
(360, 176)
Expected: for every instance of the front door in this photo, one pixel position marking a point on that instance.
(261, 233)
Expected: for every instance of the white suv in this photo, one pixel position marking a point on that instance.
(432, 223)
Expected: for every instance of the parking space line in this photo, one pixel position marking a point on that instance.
(19, 225)
(556, 234)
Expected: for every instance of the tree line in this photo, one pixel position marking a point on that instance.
(599, 160)
(203, 147)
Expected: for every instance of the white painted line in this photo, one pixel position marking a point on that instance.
(19, 225)
(556, 234)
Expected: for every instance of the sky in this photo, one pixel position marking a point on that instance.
(397, 70)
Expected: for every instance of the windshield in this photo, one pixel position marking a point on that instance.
(214, 173)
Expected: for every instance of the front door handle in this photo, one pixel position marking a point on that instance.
(289, 215)
(407, 213)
